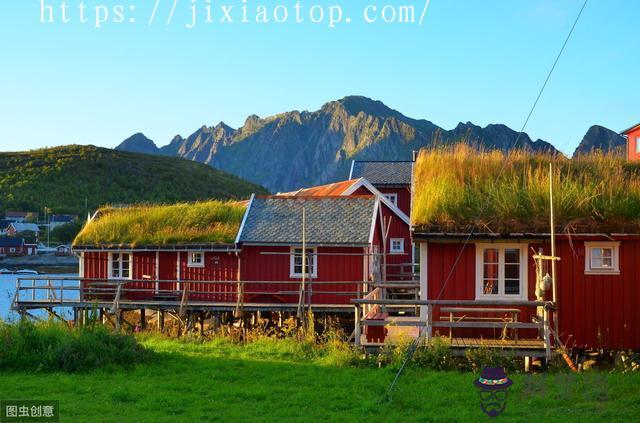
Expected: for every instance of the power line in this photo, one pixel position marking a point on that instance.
(555, 63)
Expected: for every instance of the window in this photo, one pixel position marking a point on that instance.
(296, 262)
(120, 266)
(638, 145)
(12, 250)
(601, 258)
(397, 246)
(501, 271)
(196, 259)
(393, 198)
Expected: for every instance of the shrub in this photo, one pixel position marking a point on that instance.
(51, 346)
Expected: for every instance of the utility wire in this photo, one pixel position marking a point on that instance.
(414, 344)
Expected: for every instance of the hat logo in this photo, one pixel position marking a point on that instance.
(493, 384)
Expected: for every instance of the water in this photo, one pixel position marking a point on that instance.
(8, 290)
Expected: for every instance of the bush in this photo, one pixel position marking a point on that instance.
(51, 346)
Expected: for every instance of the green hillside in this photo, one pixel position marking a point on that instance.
(74, 179)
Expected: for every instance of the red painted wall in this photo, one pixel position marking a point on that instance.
(218, 267)
(631, 145)
(275, 268)
(404, 197)
(595, 311)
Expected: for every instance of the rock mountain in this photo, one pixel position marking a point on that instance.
(296, 149)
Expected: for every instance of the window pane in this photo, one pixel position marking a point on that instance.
(512, 271)
(490, 287)
(596, 253)
(490, 271)
(606, 252)
(491, 255)
(596, 262)
(512, 286)
(512, 255)
(607, 262)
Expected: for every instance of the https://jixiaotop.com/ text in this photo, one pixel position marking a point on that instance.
(191, 14)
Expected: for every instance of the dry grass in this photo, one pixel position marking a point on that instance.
(458, 187)
(204, 222)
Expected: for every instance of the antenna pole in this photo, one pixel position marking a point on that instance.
(553, 234)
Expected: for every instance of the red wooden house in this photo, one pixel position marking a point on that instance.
(633, 142)
(343, 235)
(488, 260)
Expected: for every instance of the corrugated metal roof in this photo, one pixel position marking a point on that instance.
(329, 220)
(336, 188)
(383, 173)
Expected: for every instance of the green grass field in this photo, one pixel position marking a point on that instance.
(267, 381)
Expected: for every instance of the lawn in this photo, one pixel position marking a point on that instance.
(266, 381)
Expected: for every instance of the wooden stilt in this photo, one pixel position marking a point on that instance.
(161, 320)
(143, 319)
(202, 323)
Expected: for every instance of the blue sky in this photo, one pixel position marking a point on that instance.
(474, 60)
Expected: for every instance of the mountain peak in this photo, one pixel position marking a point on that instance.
(600, 138)
(138, 143)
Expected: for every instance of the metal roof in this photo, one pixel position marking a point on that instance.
(383, 173)
(329, 220)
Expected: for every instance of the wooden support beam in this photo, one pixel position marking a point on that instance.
(143, 319)
(161, 320)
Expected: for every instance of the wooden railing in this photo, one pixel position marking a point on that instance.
(58, 291)
(542, 321)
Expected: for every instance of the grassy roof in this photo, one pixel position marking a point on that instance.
(457, 188)
(186, 223)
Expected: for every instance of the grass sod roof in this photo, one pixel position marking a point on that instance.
(186, 223)
(458, 187)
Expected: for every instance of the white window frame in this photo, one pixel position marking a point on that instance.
(524, 265)
(392, 197)
(589, 269)
(637, 145)
(313, 259)
(192, 263)
(12, 250)
(396, 251)
(110, 266)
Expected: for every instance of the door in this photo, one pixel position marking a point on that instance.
(167, 274)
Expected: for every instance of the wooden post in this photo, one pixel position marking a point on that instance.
(143, 319)
(553, 235)
(202, 323)
(161, 320)
(118, 316)
(547, 335)
(357, 333)
(429, 322)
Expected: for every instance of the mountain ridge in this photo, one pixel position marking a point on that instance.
(290, 150)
